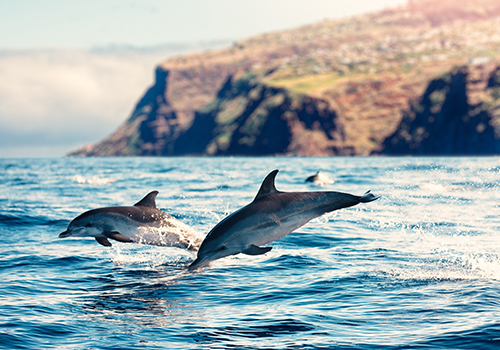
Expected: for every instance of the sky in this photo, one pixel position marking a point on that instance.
(72, 71)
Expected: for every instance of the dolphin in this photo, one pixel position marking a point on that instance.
(272, 215)
(142, 223)
(320, 179)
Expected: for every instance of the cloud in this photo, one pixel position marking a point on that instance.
(58, 99)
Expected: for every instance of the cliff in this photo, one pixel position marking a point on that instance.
(334, 87)
(459, 114)
(248, 117)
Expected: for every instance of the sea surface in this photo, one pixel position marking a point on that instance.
(418, 268)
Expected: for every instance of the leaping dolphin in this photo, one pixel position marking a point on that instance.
(142, 223)
(272, 215)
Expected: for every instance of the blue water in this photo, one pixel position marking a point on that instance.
(418, 268)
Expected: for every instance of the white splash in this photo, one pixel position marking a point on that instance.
(177, 235)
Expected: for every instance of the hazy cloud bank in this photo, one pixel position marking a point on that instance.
(53, 100)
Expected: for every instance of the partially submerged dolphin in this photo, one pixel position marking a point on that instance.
(272, 215)
(320, 179)
(142, 223)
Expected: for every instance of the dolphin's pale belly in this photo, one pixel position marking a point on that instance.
(270, 230)
(168, 232)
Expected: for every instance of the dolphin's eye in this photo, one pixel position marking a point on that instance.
(88, 225)
(221, 248)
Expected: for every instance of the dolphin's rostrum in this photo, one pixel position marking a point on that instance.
(142, 223)
(272, 215)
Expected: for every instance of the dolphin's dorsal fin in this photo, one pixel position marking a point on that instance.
(267, 186)
(148, 201)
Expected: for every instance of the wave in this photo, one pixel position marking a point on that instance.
(466, 266)
(40, 261)
(27, 220)
(483, 337)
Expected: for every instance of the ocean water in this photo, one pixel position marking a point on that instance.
(418, 268)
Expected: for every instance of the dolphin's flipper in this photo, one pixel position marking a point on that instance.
(103, 241)
(148, 201)
(117, 237)
(267, 186)
(254, 250)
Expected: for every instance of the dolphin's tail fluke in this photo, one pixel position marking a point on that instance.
(368, 197)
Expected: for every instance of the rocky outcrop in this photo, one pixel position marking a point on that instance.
(250, 118)
(457, 115)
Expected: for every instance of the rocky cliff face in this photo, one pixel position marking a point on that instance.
(458, 114)
(334, 87)
(248, 117)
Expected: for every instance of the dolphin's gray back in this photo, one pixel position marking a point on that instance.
(328, 201)
(144, 215)
(313, 204)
